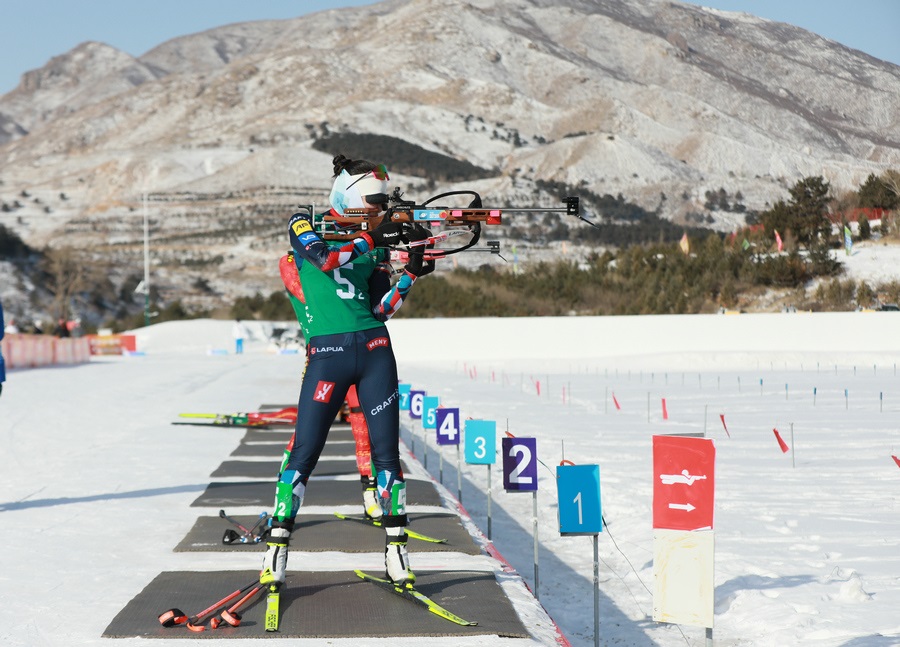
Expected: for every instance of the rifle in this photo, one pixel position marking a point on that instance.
(452, 221)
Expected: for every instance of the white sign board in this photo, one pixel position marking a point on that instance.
(683, 577)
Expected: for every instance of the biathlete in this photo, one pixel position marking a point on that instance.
(349, 344)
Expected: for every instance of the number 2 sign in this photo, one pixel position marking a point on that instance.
(519, 464)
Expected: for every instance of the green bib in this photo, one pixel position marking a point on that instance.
(337, 301)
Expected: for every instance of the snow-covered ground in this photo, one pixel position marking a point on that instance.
(97, 484)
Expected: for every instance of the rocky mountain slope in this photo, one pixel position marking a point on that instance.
(657, 100)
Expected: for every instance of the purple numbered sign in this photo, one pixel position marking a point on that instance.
(519, 464)
(447, 426)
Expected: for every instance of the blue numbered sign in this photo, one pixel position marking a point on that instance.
(481, 442)
(403, 390)
(519, 464)
(415, 404)
(578, 490)
(429, 408)
(447, 425)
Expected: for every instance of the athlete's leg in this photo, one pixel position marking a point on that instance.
(325, 382)
(377, 390)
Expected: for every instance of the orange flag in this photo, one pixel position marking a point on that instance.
(781, 443)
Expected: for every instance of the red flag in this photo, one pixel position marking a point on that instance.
(896, 460)
(616, 402)
(778, 241)
(781, 443)
(665, 410)
(722, 418)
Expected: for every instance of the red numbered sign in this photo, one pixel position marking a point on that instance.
(683, 482)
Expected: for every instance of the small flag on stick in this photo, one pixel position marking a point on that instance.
(722, 418)
(778, 241)
(781, 443)
(616, 402)
(665, 411)
(896, 460)
(685, 244)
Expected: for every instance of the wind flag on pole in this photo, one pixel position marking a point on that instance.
(616, 402)
(779, 241)
(896, 460)
(745, 245)
(685, 244)
(781, 443)
(848, 240)
(722, 418)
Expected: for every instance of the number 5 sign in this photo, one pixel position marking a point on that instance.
(447, 425)
(578, 489)
(519, 464)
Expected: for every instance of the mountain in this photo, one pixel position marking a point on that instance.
(229, 129)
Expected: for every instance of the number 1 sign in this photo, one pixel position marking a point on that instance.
(519, 464)
(578, 490)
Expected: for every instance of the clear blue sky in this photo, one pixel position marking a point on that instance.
(34, 31)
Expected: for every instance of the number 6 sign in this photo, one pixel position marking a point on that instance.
(415, 404)
(519, 464)
(578, 489)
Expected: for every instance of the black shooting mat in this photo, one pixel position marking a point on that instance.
(267, 436)
(324, 605)
(321, 532)
(230, 494)
(276, 450)
(267, 469)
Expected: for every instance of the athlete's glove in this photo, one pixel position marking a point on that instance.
(387, 234)
(415, 265)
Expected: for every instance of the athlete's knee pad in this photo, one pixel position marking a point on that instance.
(392, 495)
(289, 492)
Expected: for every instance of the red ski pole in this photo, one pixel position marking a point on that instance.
(231, 616)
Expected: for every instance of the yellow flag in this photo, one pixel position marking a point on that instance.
(685, 244)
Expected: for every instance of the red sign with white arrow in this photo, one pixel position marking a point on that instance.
(683, 482)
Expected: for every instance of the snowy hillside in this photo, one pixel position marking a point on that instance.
(646, 99)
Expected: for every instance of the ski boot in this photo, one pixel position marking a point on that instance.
(396, 557)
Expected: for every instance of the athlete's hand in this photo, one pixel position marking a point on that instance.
(415, 265)
(387, 234)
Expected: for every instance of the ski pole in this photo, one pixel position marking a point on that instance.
(242, 527)
(176, 616)
(231, 616)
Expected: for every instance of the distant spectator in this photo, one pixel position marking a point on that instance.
(2, 363)
(239, 333)
(37, 327)
(61, 330)
(11, 327)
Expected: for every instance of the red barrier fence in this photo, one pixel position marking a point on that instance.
(31, 351)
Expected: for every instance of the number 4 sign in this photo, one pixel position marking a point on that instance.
(578, 490)
(519, 464)
(447, 425)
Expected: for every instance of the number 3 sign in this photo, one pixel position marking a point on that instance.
(519, 464)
